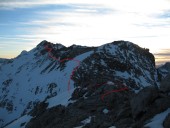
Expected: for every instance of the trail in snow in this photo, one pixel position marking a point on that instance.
(123, 88)
(58, 59)
(72, 73)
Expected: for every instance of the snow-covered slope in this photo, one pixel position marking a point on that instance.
(45, 74)
(31, 78)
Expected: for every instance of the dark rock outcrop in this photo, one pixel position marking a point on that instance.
(165, 84)
(106, 82)
(164, 70)
(119, 57)
(141, 102)
(166, 122)
(47, 118)
(38, 109)
(125, 109)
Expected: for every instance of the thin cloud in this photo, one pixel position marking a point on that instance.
(14, 4)
(91, 22)
(151, 25)
(14, 38)
(143, 6)
(163, 52)
(164, 14)
(45, 23)
(162, 56)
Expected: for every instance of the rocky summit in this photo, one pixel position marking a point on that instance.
(115, 85)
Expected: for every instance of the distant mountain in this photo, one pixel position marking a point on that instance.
(57, 86)
(164, 69)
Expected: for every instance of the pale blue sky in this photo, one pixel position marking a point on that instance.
(25, 23)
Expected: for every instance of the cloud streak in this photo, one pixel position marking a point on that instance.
(162, 56)
(86, 22)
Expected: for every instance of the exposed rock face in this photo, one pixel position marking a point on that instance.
(147, 103)
(49, 118)
(84, 108)
(124, 109)
(142, 101)
(120, 58)
(47, 71)
(35, 76)
(165, 84)
(39, 109)
(166, 123)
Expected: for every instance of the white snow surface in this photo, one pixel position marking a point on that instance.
(105, 111)
(62, 99)
(30, 85)
(110, 83)
(157, 120)
(87, 120)
(79, 126)
(112, 127)
(17, 123)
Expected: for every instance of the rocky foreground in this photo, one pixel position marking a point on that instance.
(121, 109)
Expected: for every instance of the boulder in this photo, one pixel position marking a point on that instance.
(166, 122)
(78, 93)
(158, 106)
(46, 118)
(39, 109)
(165, 84)
(141, 101)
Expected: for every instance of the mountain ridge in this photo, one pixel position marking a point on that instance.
(41, 78)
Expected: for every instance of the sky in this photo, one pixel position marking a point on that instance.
(25, 23)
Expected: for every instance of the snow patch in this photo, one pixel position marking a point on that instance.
(157, 120)
(86, 121)
(17, 123)
(79, 127)
(123, 74)
(112, 127)
(110, 83)
(31, 82)
(62, 98)
(105, 111)
(137, 91)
